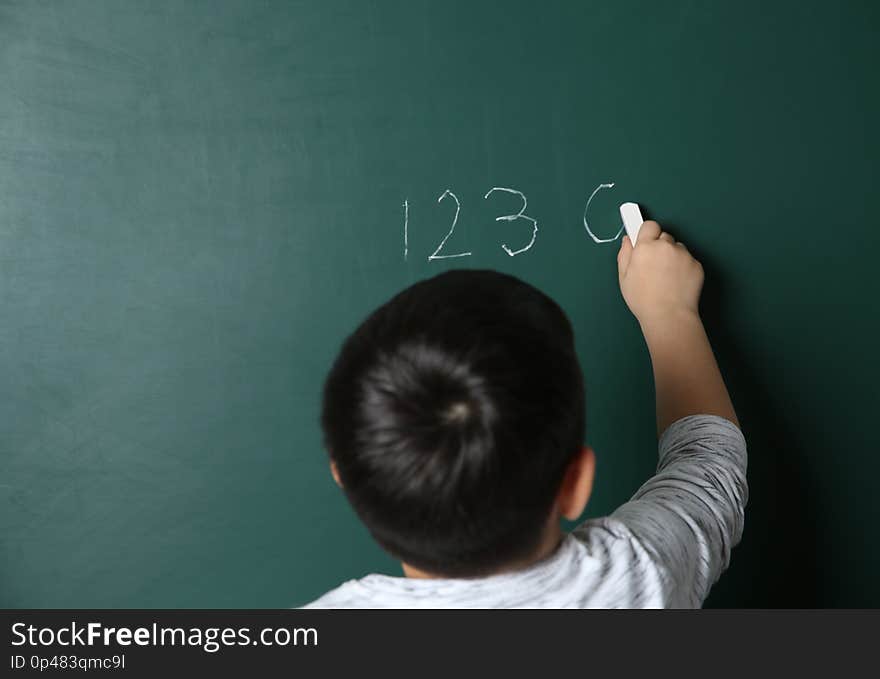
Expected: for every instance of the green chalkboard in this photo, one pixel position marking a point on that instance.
(199, 200)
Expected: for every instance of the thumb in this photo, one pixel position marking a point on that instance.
(623, 256)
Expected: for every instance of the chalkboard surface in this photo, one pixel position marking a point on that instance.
(199, 200)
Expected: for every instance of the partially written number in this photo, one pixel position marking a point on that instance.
(521, 215)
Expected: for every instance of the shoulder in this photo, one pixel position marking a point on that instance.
(627, 574)
(350, 594)
(610, 540)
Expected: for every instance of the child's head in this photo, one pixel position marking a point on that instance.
(452, 416)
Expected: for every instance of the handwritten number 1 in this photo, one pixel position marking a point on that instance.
(405, 229)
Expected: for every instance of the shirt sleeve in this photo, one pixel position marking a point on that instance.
(690, 514)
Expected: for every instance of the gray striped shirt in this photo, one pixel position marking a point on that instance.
(665, 548)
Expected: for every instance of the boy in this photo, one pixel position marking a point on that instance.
(454, 420)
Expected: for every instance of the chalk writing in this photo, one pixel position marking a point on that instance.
(518, 215)
(587, 225)
(405, 229)
(443, 195)
(503, 218)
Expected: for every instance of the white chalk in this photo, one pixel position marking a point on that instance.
(632, 220)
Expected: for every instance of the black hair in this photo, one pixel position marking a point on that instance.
(452, 413)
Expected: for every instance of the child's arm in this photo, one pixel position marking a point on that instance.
(661, 283)
(690, 514)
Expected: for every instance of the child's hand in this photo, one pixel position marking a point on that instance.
(658, 277)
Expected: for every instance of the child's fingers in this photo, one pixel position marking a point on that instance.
(623, 255)
(649, 230)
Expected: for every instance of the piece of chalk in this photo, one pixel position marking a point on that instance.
(632, 220)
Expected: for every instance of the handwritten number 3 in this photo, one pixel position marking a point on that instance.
(513, 218)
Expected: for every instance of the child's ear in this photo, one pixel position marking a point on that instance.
(577, 484)
(335, 472)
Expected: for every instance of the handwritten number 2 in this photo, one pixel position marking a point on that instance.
(434, 255)
(513, 218)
